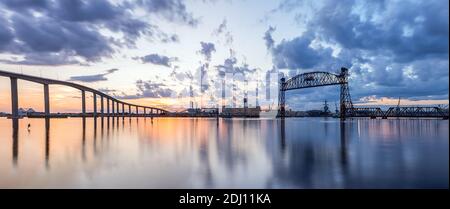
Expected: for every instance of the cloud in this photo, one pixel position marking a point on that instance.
(157, 59)
(222, 29)
(207, 50)
(43, 35)
(93, 78)
(181, 76)
(174, 10)
(46, 59)
(6, 35)
(407, 30)
(165, 38)
(75, 30)
(389, 46)
(298, 53)
(268, 37)
(148, 89)
(107, 90)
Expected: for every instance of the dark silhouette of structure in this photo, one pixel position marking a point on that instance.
(316, 79)
(111, 102)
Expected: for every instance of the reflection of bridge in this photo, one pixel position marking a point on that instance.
(112, 105)
(316, 79)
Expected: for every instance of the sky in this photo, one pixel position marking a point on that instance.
(152, 52)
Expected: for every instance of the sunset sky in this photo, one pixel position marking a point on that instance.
(149, 52)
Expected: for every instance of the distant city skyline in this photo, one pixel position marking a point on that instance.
(149, 52)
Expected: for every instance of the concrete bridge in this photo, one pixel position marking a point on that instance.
(112, 105)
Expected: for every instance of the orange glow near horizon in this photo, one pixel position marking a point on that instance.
(67, 99)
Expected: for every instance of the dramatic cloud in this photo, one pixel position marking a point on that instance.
(207, 50)
(393, 48)
(298, 53)
(405, 29)
(77, 30)
(93, 78)
(157, 59)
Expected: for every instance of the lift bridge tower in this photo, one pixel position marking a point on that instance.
(317, 79)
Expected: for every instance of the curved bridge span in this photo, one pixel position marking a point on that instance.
(112, 104)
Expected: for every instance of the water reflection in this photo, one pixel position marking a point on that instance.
(15, 136)
(47, 142)
(226, 153)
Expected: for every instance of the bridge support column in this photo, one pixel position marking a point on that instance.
(46, 100)
(123, 110)
(145, 111)
(107, 106)
(83, 103)
(137, 110)
(346, 105)
(95, 104)
(102, 110)
(129, 110)
(14, 99)
(117, 107)
(112, 108)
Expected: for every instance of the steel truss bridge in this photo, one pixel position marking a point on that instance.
(113, 107)
(317, 79)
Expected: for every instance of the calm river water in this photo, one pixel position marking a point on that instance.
(231, 153)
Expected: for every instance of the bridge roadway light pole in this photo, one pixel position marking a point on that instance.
(83, 103)
(14, 99)
(46, 100)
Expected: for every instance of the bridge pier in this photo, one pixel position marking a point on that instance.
(137, 111)
(123, 110)
(14, 99)
(112, 108)
(145, 111)
(46, 100)
(117, 107)
(129, 110)
(83, 103)
(102, 110)
(281, 99)
(95, 104)
(107, 106)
